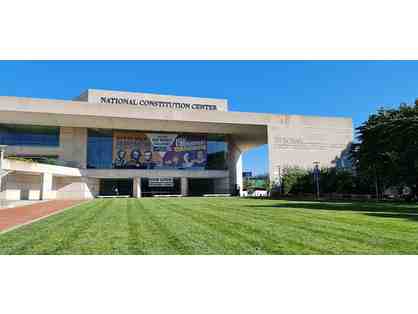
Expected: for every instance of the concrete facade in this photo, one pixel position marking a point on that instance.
(292, 140)
(299, 141)
(137, 187)
(184, 183)
(21, 186)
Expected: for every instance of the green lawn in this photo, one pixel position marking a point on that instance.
(220, 226)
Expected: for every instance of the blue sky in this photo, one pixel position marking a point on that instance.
(351, 89)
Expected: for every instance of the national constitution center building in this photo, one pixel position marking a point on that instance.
(106, 143)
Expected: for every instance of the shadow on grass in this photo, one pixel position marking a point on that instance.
(409, 216)
(384, 210)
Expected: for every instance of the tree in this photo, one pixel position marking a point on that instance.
(388, 148)
(332, 180)
(296, 180)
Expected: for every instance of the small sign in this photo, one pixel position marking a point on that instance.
(247, 174)
(160, 182)
(155, 103)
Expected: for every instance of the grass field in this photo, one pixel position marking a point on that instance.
(220, 226)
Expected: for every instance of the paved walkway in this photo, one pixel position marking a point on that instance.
(9, 204)
(11, 217)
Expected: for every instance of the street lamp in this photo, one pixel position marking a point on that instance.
(316, 173)
(277, 179)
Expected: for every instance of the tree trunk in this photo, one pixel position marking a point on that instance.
(416, 188)
(376, 184)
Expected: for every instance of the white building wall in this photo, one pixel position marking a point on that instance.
(293, 140)
(76, 188)
(299, 141)
(28, 187)
(235, 166)
(73, 144)
(22, 187)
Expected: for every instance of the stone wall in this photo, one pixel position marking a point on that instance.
(28, 187)
(73, 143)
(22, 187)
(301, 140)
(76, 188)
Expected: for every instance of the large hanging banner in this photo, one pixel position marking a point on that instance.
(135, 150)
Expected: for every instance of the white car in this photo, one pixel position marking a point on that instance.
(260, 193)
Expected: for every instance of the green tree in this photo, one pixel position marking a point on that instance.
(332, 180)
(388, 148)
(297, 180)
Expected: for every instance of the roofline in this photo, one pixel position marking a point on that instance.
(257, 114)
(153, 94)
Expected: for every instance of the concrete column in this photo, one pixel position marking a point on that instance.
(275, 164)
(184, 186)
(2, 150)
(235, 168)
(46, 186)
(238, 174)
(2, 172)
(137, 188)
(73, 143)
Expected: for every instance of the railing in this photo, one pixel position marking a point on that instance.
(47, 161)
(35, 167)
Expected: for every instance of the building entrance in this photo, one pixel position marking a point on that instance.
(116, 187)
(199, 187)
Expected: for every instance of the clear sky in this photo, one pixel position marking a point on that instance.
(350, 89)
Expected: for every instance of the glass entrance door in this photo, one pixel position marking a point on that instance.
(116, 187)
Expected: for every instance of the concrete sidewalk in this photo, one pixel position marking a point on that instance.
(10, 204)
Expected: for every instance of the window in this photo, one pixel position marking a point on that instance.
(99, 149)
(107, 149)
(217, 152)
(29, 135)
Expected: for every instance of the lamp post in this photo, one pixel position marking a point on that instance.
(277, 179)
(316, 173)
